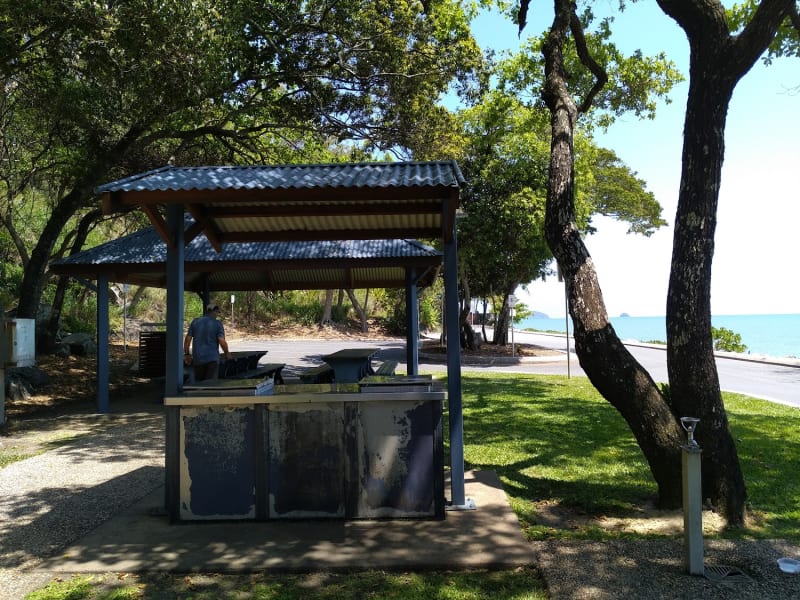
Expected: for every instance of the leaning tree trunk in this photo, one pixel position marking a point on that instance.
(84, 226)
(612, 370)
(35, 278)
(362, 315)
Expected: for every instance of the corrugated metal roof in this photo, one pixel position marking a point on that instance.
(337, 201)
(145, 247)
(140, 258)
(287, 177)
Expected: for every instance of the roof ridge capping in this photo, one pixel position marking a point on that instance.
(131, 178)
(444, 173)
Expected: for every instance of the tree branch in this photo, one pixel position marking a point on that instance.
(759, 32)
(601, 77)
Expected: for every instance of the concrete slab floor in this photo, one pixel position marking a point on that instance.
(136, 541)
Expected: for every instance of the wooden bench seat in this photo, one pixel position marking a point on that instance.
(319, 374)
(386, 368)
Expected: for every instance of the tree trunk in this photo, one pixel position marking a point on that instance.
(327, 309)
(483, 319)
(500, 337)
(502, 322)
(137, 296)
(34, 280)
(86, 223)
(249, 307)
(606, 361)
(467, 334)
(694, 381)
(360, 311)
(718, 60)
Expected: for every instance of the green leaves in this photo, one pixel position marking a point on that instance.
(635, 82)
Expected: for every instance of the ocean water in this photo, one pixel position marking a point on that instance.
(773, 335)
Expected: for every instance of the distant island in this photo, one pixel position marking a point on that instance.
(623, 315)
(540, 315)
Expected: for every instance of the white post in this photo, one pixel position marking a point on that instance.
(512, 302)
(692, 500)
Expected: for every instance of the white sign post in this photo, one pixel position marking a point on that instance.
(233, 299)
(512, 302)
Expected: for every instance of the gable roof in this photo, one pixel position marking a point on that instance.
(140, 258)
(335, 201)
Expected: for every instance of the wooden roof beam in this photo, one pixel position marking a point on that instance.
(204, 224)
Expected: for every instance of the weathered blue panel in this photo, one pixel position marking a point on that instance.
(218, 470)
(396, 442)
(306, 460)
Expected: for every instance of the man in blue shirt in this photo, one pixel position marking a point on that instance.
(204, 335)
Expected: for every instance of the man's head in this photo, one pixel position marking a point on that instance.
(212, 309)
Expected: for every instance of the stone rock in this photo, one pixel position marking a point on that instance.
(18, 390)
(80, 344)
(61, 349)
(22, 382)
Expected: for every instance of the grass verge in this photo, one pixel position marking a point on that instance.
(519, 584)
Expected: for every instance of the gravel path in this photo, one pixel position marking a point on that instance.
(50, 500)
(578, 569)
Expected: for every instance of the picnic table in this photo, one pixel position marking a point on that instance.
(350, 365)
(239, 362)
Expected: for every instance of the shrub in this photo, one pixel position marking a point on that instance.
(727, 340)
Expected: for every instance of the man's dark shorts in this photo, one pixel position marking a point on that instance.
(206, 371)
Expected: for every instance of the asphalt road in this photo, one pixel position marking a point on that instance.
(768, 379)
(776, 380)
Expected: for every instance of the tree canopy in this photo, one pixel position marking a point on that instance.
(505, 159)
(97, 91)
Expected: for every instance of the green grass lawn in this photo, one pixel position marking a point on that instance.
(549, 438)
(553, 438)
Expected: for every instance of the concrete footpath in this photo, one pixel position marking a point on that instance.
(136, 540)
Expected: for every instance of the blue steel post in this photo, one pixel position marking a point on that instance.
(412, 323)
(102, 344)
(175, 252)
(455, 416)
(174, 368)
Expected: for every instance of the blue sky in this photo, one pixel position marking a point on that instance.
(755, 262)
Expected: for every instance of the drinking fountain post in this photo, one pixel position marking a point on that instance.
(692, 500)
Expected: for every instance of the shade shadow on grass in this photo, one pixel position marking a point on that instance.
(556, 439)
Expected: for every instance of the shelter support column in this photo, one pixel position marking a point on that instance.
(454, 402)
(412, 323)
(103, 339)
(175, 281)
(174, 367)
